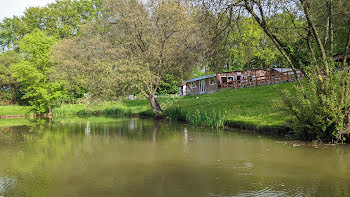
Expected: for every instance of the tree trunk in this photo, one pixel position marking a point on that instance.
(157, 111)
(50, 112)
(277, 42)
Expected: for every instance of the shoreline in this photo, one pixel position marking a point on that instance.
(256, 109)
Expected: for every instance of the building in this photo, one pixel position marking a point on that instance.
(236, 79)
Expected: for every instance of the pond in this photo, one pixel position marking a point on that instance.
(106, 156)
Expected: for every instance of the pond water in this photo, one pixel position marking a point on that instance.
(104, 156)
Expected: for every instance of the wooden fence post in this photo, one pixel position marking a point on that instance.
(270, 73)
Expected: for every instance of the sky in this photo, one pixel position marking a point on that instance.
(8, 8)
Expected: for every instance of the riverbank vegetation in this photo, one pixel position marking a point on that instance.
(256, 108)
(100, 51)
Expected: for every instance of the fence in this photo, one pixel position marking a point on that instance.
(273, 78)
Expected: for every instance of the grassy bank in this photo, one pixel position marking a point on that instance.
(256, 108)
(14, 110)
(140, 106)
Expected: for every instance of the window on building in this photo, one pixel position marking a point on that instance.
(230, 78)
(212, 81)
(193, 85)
(223, 79)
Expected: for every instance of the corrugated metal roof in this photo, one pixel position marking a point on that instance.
(282, 69)
(200, 78)
(285, 70)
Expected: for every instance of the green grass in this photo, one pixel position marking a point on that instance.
(256, 108)
(14, 110)
(140, 106)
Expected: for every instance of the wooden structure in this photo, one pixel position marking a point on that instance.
(273, 78)
(237, 79)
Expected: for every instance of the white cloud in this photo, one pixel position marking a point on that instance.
(8, 8)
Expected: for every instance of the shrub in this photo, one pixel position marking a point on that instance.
(320, 107)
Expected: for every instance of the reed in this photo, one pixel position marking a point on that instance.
(200, 117)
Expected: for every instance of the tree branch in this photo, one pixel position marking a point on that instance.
(316, 36)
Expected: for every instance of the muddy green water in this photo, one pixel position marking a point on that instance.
(139, 157)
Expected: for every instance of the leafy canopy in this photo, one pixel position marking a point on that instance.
(33, 71)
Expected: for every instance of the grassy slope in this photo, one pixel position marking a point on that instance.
(253, 108)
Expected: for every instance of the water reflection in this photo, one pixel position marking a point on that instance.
(87, 128)
(135, 157)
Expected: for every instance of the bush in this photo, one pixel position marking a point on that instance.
(321, 107)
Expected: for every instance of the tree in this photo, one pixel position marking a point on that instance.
(9, 88)
(321, 103)
(168, 85)
(61, 19)
(248, 47)
(33, 71)
(142, 43)
(216, 25)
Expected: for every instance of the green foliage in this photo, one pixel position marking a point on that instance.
(249, 47)
(288, 27)
(61, 19)
(9, 88)
(165, 44)
(320, 109)
(33, 72)
(169, 85)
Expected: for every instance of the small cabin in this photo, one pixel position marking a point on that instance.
(236, 79)
(211, 83)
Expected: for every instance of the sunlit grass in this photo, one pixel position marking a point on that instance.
(14, 110)
(254, 108)
(119, 107)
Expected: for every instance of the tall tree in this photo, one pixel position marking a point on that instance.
(9, 88)
(143, 43)
(248, 46)
(60, 19)
(33, 71)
